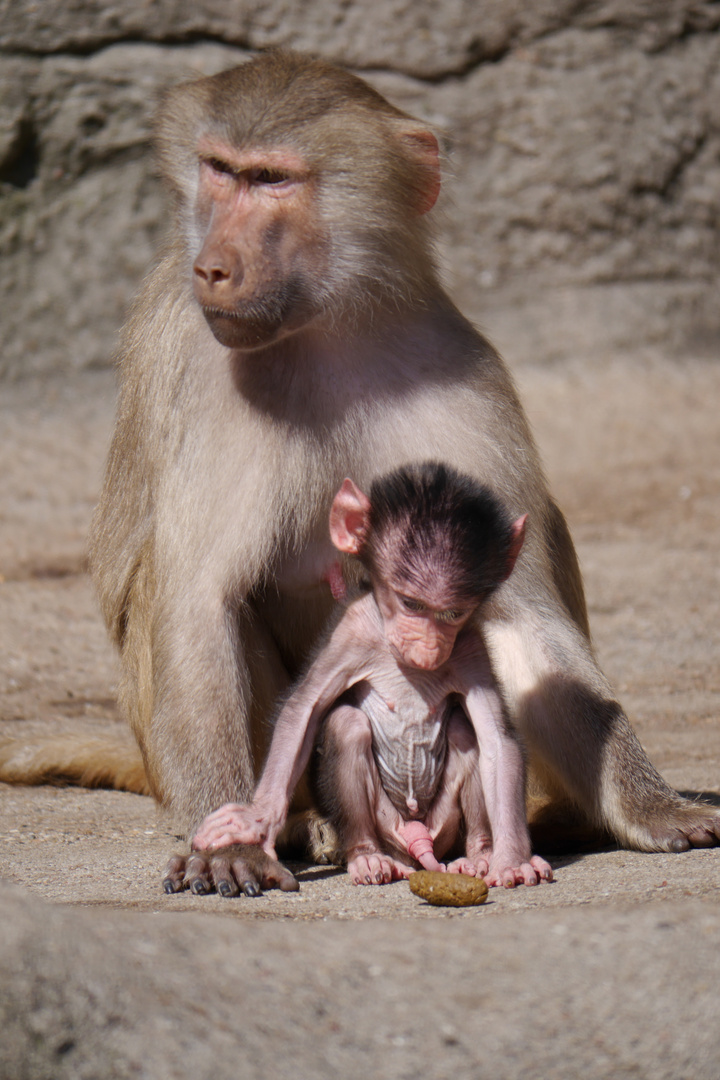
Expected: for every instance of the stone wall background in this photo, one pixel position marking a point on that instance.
(581, 216)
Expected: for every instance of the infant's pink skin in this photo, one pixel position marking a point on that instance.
(336, 581)
(377, 869)
(238, 824)
(506, 868)
(478, 868)
(419, 844)
(233, 824)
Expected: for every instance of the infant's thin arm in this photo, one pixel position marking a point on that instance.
(333, 671)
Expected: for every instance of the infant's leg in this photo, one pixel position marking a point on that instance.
(460, 800)
(353, 797)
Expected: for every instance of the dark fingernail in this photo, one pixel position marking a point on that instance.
(250, 888)
(225, 888)
(170, 886)
(198, 887)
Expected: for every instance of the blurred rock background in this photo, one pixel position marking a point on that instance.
(581, 214)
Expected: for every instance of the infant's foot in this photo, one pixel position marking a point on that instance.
(471, 867)
(377, 869)
(509, 872)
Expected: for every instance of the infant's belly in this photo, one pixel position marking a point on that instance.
(409, 751)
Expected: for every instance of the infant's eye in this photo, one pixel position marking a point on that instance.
(449, 616)
(412, 605)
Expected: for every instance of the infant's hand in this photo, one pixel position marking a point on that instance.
(232, 824)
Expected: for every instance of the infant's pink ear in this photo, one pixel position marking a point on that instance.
(349, 518)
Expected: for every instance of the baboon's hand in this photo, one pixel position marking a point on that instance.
(227, 870)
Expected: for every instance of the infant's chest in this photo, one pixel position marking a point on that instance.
(408, 720)
(399, 704)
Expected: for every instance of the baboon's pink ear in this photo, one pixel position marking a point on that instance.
(516, 543)
(424, 148)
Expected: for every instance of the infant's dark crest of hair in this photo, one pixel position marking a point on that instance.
(447, 523)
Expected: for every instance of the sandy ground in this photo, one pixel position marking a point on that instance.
(612, 971)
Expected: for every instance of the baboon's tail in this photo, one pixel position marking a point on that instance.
(85, 760)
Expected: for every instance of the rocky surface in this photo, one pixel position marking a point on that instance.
(583, 145)
(610, 972)
(91, 993)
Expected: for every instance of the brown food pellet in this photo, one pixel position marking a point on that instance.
(448, 890)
